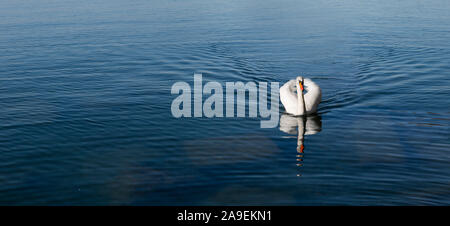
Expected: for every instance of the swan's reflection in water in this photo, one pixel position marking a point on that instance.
(301, 125)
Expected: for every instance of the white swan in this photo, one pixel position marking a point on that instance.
(295, 101)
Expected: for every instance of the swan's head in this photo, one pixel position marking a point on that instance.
(299, 82)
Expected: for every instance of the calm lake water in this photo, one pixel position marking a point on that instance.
(85, 102)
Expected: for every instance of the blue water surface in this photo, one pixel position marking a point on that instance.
(85, 99)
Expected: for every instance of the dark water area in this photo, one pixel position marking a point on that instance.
(85, 102)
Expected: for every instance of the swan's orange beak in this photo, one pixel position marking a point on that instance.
(301, 85)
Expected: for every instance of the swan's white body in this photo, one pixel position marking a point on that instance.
(295, 101)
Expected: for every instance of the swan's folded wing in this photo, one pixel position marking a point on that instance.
(288, 97)
(313, 96)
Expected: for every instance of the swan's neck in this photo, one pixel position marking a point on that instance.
(301, 101)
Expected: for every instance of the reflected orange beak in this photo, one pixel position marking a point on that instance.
(301, 85)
